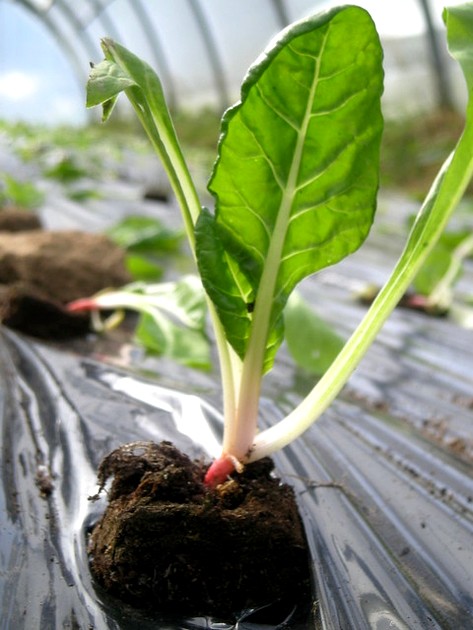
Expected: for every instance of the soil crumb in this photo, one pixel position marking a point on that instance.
(169, 544)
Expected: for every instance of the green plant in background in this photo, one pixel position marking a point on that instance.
(173, 318)
(66, 170)
(14, 192)
(295, 185)
(435, 281)
(74, 157)
(146, 240)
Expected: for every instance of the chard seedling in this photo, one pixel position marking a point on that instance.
(435, 282)
(295, 186)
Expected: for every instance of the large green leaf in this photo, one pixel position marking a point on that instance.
(296, 178)
(443, 198)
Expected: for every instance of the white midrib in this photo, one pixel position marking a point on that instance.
(240, 437)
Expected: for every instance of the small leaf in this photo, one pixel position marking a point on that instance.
(145, 92)
(106, 81)
(84, 194)
(107, 108)
(175, 327)
(66, 170)
(443, 267)
(312, 342)
(129, 72)
(183, 300)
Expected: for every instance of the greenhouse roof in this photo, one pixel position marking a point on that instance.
(200, 48)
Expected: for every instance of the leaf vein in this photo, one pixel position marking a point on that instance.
(333, 160)
(306, 54)
(265, 156)
(340, 106)
(306, 250)
(274, 109)
(313, 206)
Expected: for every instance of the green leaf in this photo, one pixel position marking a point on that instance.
(442, 269)
(443, 198)
(296, 178)
(22, 194)
(433, 270)
(66, 170)
(144, 235)
(312, 342)
(183, 301)
(444, 263)
(233, 292)
(175, 327)
(143, 269)
(163, 337)
(147, 98)
(84, 194)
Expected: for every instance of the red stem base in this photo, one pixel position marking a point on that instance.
(219, 470)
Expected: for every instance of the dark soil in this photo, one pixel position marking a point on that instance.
(169, 544)
(40, 271)
(24, 308)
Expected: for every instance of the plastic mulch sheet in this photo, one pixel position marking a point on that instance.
(388, 514)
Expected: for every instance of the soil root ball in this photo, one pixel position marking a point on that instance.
(168, 543)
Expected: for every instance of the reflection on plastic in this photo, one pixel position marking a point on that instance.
(190, 414)
(58, 413)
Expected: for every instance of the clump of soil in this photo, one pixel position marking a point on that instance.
(168, 543)
(18, 220)
(63, 265)
(40, 271)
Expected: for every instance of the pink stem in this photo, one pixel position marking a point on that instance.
(219, 471)
(83, 304)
